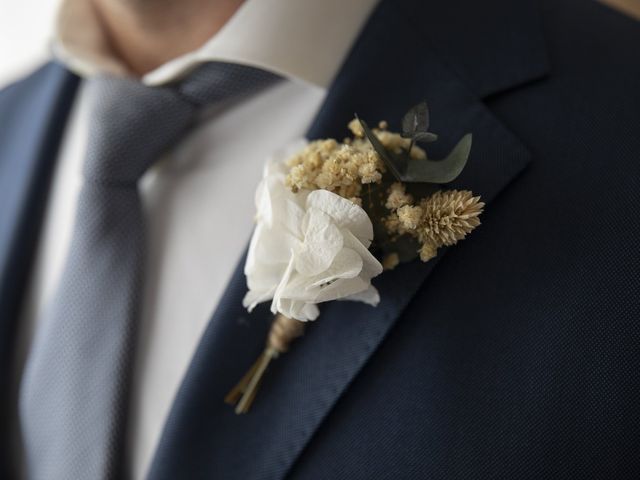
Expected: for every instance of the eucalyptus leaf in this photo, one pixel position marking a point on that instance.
(425, 137)
(409, 170)
(441, 171)
(395, 163)
(416, 120)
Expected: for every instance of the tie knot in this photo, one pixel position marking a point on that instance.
(130, 127)
(133, 124)
(220, 83)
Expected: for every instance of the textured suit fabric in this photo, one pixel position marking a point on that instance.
(74, 390)
(515, 354)
(32, 122)
(520, 355)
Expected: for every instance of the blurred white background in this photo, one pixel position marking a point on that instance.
(26, 28)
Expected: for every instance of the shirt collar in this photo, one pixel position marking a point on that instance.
(300, 39)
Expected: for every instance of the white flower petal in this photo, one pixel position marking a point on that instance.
(347, 264)
(345, 213)
(310, 312)
(267, 248)
(254, 297)
(322, 242)
(291, 215)
(341, 288)
(297, 309)
(280, 289)
(370, 296)
(307, 248)
(371, 266)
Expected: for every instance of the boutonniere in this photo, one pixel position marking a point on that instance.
(332, 215)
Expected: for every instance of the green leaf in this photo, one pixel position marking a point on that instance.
(441, 171)
(395, 163)
(416, 120)
(408, 170)
(425, 137)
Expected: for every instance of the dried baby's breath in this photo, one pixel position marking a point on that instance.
(398, 197)
(393, 225)
(356, 128)
(338, 167)
(343, 167)
(391, 261)
(410, 216)
(397, 144)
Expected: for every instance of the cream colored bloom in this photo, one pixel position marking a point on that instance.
(307, 248)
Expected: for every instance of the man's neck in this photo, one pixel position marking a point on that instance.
(148, 33)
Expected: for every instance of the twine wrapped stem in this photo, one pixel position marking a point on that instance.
(283, 331)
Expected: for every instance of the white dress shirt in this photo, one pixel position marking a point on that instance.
(199, 198)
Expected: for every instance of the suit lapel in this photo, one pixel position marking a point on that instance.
(33, 114)
(391, 67)
(32, 117)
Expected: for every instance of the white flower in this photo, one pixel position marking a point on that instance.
(307, 248)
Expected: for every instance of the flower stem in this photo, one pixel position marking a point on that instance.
(283, 331)
(252, 387)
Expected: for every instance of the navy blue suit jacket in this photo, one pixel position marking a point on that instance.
(515, 354)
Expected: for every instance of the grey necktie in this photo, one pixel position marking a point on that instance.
(74, 389)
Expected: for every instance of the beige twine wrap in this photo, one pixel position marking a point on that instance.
(283, 331)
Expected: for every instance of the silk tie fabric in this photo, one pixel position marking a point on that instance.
(74, 390)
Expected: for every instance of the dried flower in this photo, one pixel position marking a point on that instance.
(398, 197)
(338, 167)
(397, 144)
(312, 237)
(391, 261)
(448, 216)
(427, 252)
(307, 248)
(356, 128)
(442, 219)
(393, 225)
(343, 168)
(410, 216)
